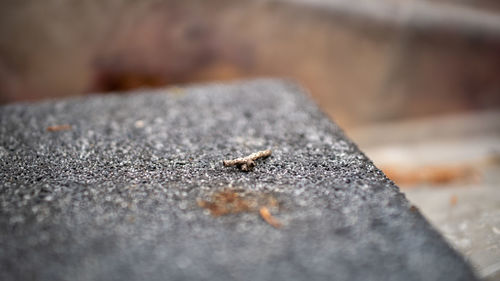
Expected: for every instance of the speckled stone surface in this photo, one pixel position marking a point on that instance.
(115, 197)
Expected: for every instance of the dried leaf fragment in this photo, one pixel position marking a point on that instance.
(227, 202)
(57, 128)
(230, 201)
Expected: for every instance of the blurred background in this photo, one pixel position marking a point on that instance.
(416, 83)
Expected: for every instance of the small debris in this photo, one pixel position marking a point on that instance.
(139, 124)
(57, 128)
(453, 200)
(413, 209)
(266, 215)
(495, 230)
(230, 201)
(247, 163)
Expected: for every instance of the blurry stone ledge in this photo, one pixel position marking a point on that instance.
(133, 187)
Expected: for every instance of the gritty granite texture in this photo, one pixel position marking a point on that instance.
(115, 197)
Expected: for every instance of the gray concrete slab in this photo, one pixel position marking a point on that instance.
(115, 196)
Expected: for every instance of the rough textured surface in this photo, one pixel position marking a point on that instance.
(114, 197)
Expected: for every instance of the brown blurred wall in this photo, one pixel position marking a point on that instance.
(360, 67)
